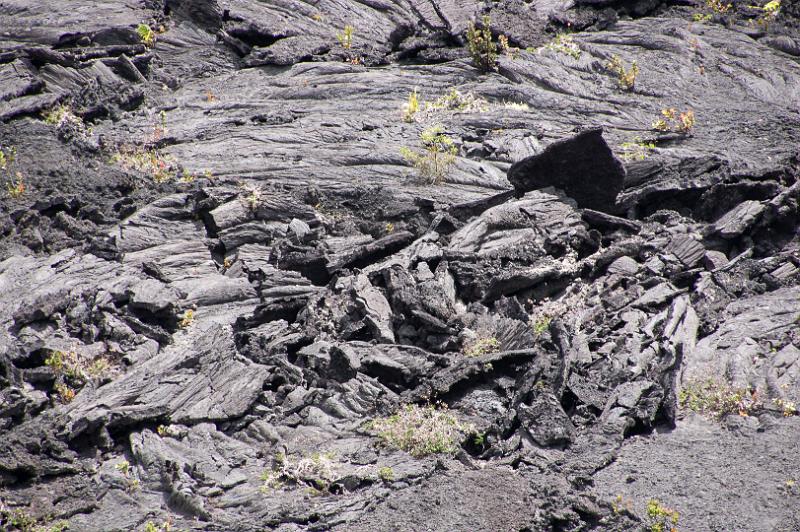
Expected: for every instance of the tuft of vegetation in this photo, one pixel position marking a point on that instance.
(439, 154)
(59, 115)
(386, 474)
(412, 107)
(252, 196)
(147, 161)
(787, 408)
(146, 34)
(454, 101)
(316, 471)
(718, 7)
(73, 372)
(123, 467)
(626, 76)
(482, 49)
(563, 44)
(675, 122)
(420, 430)
(516, 106)
(345, 37)
(540, 324)
(66, 122)
(150, 526)
(637, 150)
(458, 102)
(772, 8)
(7, 157)
(16, 186)
(717, 399)
(620, 505)
(187, 319)
(661, 518)
(20, 521)
(511, 51)
(482, 346)
(64, 393)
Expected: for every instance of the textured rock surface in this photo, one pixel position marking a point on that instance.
(215, 263)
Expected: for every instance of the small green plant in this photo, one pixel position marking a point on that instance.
(717, 6)
(412, 107)
(188, 318)
(717, 399)
(637, 150)
(564, 44)
(541, 324)
(64, 393)
(78, 370)
(420, 430)
(482, 346)
(7, 157)
(458, 102)
(123, 467)
(64, 119)
(20, 521)
(59, 526)
(701, 17)
(99, 368)
(187, 177)
(147, 161)
(252, 196)
(511, 51)
(439, 154)
(516, 106)
(17, 519)
(661, 518)
(386, 474)
(787, 408)
(56, 115)
(316, 471)
(164, 527)
(73, 372)
(146, 34)
(770, 11)
(772, 8)
(481, 47)
(619, 505)
(673, 121)
(626, 77)
(16, 186)
(345, 37)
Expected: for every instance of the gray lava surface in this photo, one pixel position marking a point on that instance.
(223, 276)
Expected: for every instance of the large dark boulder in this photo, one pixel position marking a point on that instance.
(583, 166)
